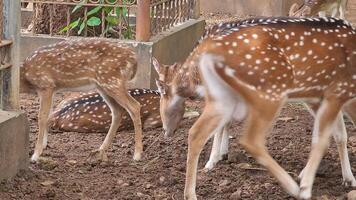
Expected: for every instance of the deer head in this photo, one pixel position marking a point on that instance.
(171, 104)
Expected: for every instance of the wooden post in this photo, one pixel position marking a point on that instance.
(143, 21)
(196, 9)
(10, 76)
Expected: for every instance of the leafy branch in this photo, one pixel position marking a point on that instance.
(113, 17)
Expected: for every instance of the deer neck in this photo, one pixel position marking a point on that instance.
(187, 82)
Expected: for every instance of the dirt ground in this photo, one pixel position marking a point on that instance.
(65, 174)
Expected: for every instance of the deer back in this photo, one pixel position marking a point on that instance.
(79, 62)
(301, 57)
(88, 112)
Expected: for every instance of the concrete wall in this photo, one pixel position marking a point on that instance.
(14, 137)
(248, 7)
(169, 47)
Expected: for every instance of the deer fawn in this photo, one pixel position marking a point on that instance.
(250, 69)
(88, 112)
(334, 8)
(83, 64)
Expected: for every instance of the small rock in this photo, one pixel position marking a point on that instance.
(224, 183)
(352, 141)
(351, 195)
(47, 183)
(120, 181)
(47, 164)
(162, 179)
(124, 145)
(148, 186)
(125, 184)
(243, 165)
(236, 195)
(233, 157)
(139, 194)
(72, 162)
(285, 119)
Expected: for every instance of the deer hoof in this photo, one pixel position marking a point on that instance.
(349, 182)
(97, 156)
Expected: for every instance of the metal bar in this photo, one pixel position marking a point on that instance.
(51, 12)
(102, 23)
(85, 21)
(68, 19)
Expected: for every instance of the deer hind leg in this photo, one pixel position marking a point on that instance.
(45, 108)
(342, 8)
(340, 136)
(211, 121)
(350, 110)
(324, 124)
(116, 117)
(120, 95)
(219, 149)
(259, 121)
(224, 147)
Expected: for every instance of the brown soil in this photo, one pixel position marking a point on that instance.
(65, 174)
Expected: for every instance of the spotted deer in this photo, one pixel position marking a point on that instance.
(334, 8)
(250, 69)
(79, 65)
(88, 112)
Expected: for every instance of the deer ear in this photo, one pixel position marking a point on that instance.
(161, 87)
(173, 67)
(156, 65)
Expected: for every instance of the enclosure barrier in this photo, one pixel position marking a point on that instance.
(9, 58)
(123, 19)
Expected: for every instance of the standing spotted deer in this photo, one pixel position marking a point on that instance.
(334, 8)
(88, 112)
(84, 64)
(251, 69)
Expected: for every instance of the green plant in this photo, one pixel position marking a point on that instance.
(113, 17)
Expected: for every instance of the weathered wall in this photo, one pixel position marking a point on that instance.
(14, 134)
(248, 7)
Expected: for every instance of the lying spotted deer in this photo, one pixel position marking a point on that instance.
(79, 65)
(88, 112)
(334, 8)
(252, 70)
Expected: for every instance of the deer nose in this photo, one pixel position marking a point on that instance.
(168, 133)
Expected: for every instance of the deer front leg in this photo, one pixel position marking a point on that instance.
(208, 123)
(45, 107)
(323, 126)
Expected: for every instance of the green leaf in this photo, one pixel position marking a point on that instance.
(70, 26)
(82, 26)
(112, 20)
(75, 23)
(93, 21)
(107, 10)
(95, 10)
(66, 28)
(78, 6)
